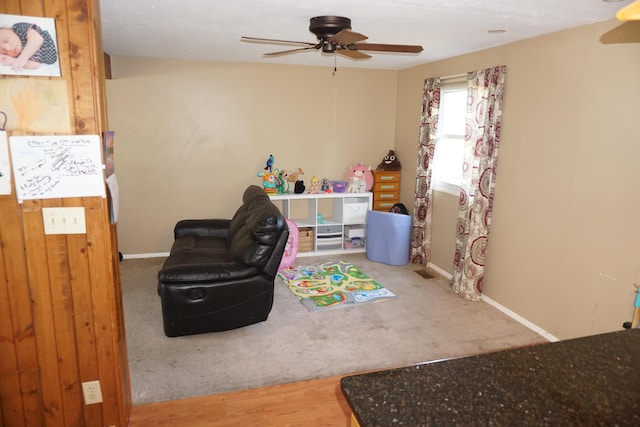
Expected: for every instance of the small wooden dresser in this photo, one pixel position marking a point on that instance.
(386, 189)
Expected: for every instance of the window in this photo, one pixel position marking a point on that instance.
(449, 153)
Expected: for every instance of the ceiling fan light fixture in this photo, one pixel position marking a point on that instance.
(329, 47)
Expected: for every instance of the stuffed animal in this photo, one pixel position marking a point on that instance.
(389, 163)
(283, 182)
(356, 185)
(295, 175)
(363, 172)
(338, 186)
(269, 181)
(299, 187)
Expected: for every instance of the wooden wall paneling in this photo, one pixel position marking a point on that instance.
(58, 9)
(65, 322)
(43, 316)
(83, 316)
(121, 360)
(10, 6)
(122, 390)
(15, 318)
(124, 379)
(99, 249)
(32, 8)
(12, 414)
(82, 70)
(63, 326)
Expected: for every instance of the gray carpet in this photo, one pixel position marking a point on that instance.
(426, 322)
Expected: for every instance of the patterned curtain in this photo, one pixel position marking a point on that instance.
(421, 227)
(482, 136)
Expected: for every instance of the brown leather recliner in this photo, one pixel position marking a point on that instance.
(220, 272)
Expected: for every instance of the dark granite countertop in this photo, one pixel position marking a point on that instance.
(590, 381)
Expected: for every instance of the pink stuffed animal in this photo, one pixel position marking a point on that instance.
(362, 172)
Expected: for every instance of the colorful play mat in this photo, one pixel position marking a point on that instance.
(332, 285)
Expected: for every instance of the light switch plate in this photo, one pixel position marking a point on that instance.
(64, 220)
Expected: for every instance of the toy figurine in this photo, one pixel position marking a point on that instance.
(389, 163)
(356, 185)
(315, 185)
(339, 186)
(362, 172)
(283, 182)
(270, 161)
(295, 175)
(325, 185)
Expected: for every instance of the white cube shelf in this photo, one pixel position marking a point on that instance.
(334, 218)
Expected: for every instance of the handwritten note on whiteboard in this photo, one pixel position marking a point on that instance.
(47, 167)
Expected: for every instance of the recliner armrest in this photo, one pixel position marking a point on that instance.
(202, 228)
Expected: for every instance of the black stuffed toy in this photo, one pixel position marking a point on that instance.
(299, 187)
(389, 163)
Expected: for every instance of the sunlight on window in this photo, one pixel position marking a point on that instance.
(449, 153)
(447, 162)
(454, 108)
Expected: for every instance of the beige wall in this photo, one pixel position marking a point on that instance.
(190, 136)
(563, 251)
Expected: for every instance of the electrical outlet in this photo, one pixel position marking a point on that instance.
(92, 392)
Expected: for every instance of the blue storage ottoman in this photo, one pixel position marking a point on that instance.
(388, 237)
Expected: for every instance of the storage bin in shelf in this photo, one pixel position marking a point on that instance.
(355, 210)
(306, 240)
(354, 237)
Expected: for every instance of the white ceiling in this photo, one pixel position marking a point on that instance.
(211, 29)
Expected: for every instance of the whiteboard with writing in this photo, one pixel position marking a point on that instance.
(47, 167)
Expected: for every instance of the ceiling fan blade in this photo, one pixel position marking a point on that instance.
(285, 52)
(348, 37)
(353, 54)
(404, 48)
(630, 12)
(274, 41)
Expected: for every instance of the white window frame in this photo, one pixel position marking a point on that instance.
(452, 84)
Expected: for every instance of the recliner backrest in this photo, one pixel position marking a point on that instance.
(254, 242)
(251, 194)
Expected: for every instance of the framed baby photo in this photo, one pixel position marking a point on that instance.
(28, 46)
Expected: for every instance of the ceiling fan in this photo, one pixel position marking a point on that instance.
(335, 36)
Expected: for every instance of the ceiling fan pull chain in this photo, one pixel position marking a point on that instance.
(335, 63)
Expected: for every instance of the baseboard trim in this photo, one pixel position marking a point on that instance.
(515, 316)
(150, 255)
(440, 271)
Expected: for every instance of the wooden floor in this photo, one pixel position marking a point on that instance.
(308, 403)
